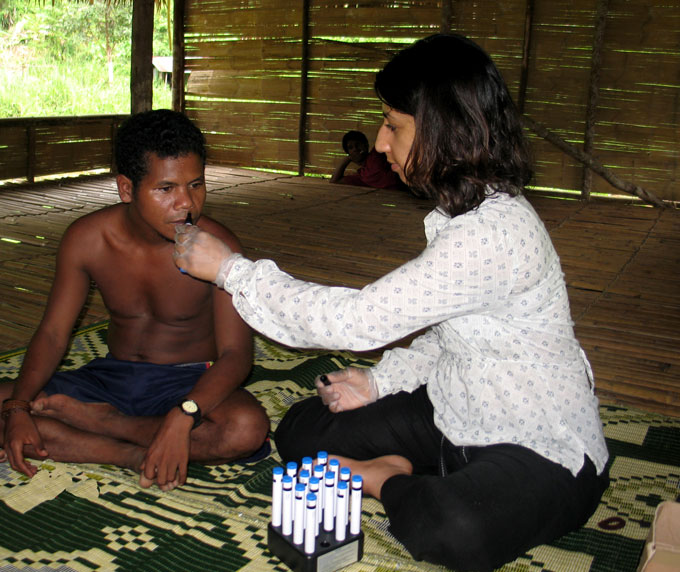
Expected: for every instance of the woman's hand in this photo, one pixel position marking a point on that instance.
(347, 389)
(199, 253)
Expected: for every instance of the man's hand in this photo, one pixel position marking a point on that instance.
(20, 431)
(199, 253)
(347, 389)
(166, 460)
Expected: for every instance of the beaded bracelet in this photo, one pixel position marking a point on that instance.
(9, 406)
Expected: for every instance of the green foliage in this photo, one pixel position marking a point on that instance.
(70, 58)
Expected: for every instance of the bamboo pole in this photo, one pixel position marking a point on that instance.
(593, 93)
(592, 163)
(30, 154)
(304, 70)
(526, 53)
(178, 56)
(446, 14)
(141, 66)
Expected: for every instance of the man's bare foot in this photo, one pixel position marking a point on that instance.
(92, 417)
(375, 472)
(3, 456)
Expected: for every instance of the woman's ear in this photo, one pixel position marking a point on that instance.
(125, 188)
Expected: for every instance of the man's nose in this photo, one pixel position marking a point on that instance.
(183, 198)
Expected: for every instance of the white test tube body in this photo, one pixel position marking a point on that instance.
(291, 471)
(355, 513)
(328, 501)
(299, 514)
(322, 459)
(314, 485)
(277, 495)
(334, 467)
(310, 526)
(341, 512)
(303, 476)
(287, 508)
(345, 475)
(319, 473)
(308, 464)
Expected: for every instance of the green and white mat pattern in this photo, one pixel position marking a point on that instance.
(95, 517)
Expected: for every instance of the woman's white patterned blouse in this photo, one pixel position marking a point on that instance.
(499, 355)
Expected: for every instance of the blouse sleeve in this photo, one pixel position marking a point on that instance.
(404, 369)
(462, 270)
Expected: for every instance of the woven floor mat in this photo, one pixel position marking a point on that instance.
(95, 517)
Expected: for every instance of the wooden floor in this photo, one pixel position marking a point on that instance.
(622, 262)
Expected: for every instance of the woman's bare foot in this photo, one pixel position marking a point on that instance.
(92, 417)
(375, 472)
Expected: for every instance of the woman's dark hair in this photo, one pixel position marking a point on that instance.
(468, 132)
(163, 132)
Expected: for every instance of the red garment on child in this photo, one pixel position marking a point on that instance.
(376, 172)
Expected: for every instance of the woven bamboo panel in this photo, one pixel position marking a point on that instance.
(637, 126)
(13, 152)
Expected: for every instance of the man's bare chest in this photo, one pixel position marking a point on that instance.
(151, 289)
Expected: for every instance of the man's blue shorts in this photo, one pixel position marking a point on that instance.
(134, 388)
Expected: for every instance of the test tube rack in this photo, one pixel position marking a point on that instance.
(329, 554)
(304, 534)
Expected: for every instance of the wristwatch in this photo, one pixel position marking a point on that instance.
(190, 407)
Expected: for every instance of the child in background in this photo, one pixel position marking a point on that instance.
(374, 170)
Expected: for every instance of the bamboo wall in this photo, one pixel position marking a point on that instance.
(275, 83)
(38, 147)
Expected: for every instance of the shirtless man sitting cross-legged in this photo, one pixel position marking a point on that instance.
(155, 402)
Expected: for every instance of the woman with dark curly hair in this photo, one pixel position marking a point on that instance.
(482, 438)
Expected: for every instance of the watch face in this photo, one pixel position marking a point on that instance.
(189, 406)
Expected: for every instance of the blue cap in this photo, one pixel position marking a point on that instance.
(277, 471)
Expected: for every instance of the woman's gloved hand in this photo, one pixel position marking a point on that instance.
(199, 253)
(347, 389)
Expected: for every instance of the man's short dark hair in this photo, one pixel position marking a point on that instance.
(354, 136)
(161, 131)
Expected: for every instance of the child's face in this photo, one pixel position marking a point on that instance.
(172, 188)
(357, 151)
(395, 138)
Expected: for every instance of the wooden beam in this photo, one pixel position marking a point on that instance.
(446, 14)
(593, 92)
(526, 53)
(30, 152)
(141, 66)
(304, 69)
(592, 163)
(178, 56)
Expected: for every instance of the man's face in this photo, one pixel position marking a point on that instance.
(172, 188)
(357, 151)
